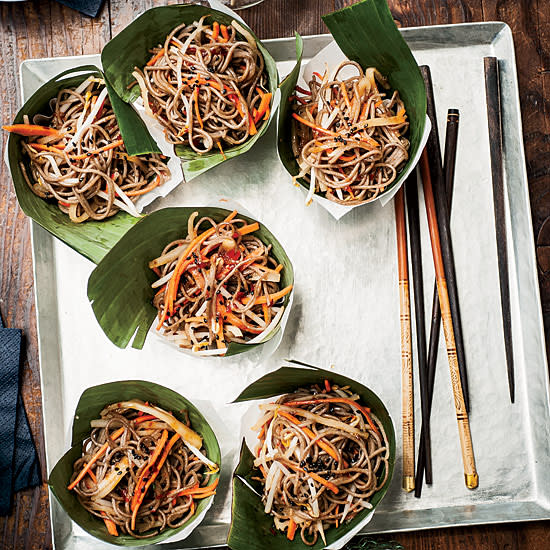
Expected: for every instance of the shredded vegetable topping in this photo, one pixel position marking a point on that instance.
(206, 85)
(139, 473)
(78, 158)
(322, 456)
(220, 284)
(347, 136)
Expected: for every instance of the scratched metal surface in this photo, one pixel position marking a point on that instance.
(345, 311)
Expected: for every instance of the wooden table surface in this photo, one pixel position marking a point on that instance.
(46, 29)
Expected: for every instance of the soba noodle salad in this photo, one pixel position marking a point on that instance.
(322, 455)
(219, 284)
(141, 470)
(207, 85)
(78, 158)
(348, 136)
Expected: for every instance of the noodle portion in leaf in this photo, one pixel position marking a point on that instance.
(78, 159)
(206, 86)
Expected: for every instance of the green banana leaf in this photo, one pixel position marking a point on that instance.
(91, 402)
(131, 48)
(120, 286)
(92, 239)
(366, 33)
(250, 526)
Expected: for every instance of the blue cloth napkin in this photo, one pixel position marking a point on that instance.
(19, 467)
(90, 7)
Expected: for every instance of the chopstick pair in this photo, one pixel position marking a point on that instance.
(438, 219)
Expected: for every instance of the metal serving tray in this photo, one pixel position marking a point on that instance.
(345, 310)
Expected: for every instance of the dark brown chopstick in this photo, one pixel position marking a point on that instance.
(436, 171)
(492, 89)
(470, 473)
(411, 190)
(407, 388)
(451, 140)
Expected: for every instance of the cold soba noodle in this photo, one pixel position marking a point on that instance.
(78, 157)
(206, 85)
(322, 456)
(141, 470)
(218, 285)
(347, 136)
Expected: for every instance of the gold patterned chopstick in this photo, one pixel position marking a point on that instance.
(406, 349)
(470, 472)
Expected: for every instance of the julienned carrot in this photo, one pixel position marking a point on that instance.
(272, 297)
(264, 104)
(322, 443)
(157, 56)
(197, 111)
(215, 30)
(143, 483)
(97, 151)
(144, 418)
(364, 410)
(196, 490)
(291, 529)
(221, 149)
(110, 524)
(42, 147)
(115, 435)
(345, 94)
(30, 130)
(328, 484)
(224, 32)
(313, 125)
(232, 319)
(246, 229)
(171, 290)
(220, 342)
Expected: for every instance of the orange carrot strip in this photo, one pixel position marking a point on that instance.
(232, 319)
(155, 58)
(144, 418)
(272, 297)
(215, 30)
(264, 104)
(224, 32)
(313, 125)
(364, 410)
(143, 484)
(150, 187)
(42, 147)
(115, 435)
(197, 112)
(221, 150)
(97, 151)
(327, 386)
(30, 130)
(195, 490)
(291, 529)
(279, 268)
(246, 229)
(110, 524)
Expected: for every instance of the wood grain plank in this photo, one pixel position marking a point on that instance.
(31, 30)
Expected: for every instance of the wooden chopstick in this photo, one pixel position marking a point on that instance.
(470, 473)
(492, 89)
(436, 170)
(413, 219)
(407, 394)
(423, 466)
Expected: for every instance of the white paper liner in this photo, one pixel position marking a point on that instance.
(256, 354)
(330, 57)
